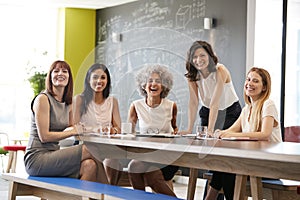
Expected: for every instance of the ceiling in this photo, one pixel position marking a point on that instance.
(89, 4)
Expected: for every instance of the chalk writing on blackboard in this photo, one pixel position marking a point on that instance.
(183, 16)
(155, 32)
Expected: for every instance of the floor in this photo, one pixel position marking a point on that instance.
(180, 185)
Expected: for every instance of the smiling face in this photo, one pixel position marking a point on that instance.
(60, 76)
(201, 59)
(254, 85)
(154, 85)
(98, 80)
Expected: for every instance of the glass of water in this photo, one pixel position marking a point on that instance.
(201, 131)
(105, 129)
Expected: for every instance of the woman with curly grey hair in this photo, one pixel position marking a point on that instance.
(165, 76)
(155, 113)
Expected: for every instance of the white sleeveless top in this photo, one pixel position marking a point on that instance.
(98, 114)
(159, 117)
(206, 87)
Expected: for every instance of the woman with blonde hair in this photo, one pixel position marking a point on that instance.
(258, 120)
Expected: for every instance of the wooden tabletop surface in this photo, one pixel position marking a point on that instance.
(256, 158)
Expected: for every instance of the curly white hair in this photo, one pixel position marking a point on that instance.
(144, 74)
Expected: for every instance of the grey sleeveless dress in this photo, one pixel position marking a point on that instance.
(47, 159)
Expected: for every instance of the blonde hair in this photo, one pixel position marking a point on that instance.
(255, 119)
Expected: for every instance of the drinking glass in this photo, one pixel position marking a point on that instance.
(201, 131)
(126, 128)
(105, 129)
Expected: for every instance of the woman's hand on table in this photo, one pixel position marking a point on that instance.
(175, 132)
(79, 129)
(223, 134)
(184, 132)
(115, 130)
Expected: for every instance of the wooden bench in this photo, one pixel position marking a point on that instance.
(275, 189)
(282, 189)
(285, 189)
(71, 188)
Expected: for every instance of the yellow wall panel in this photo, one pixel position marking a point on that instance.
(80, 31)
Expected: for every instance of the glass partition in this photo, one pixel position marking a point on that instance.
(28, 44)
(292, 83)
(268, 53)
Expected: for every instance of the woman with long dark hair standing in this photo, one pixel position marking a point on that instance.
(210, 83)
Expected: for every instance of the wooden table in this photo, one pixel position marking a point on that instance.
(244, 158)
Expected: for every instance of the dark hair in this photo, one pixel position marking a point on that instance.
(68, 91)
(192, 72)
(87, 94)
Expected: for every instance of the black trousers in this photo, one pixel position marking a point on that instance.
(224, 120)
(225, 117)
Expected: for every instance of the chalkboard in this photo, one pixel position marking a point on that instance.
(142, 32)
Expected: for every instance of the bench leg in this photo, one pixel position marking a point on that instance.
(12, 193)
(18, 189)
(285, 195)
(275, 195)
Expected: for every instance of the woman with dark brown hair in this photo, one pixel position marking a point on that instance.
(210, 83)
(94, 107)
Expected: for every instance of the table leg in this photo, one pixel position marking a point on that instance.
(192, 183)
(240, 187)
(256, 188)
